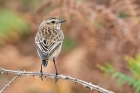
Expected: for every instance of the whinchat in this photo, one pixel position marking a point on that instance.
(48, 40)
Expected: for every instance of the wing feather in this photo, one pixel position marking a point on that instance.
(45, 51)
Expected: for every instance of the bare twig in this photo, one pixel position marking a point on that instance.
(8, 83)
(85, 84)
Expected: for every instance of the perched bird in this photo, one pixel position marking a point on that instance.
(48, 40)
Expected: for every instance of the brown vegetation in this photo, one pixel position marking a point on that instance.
(99, 30)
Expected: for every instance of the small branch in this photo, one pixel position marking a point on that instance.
(85, 84)
(7, 85)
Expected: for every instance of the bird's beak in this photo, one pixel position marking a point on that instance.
(61, 21)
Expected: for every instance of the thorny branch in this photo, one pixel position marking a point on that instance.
(85, 84)
(8, 84)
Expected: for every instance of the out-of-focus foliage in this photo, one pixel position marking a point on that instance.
(68, 44)
(12, 26)
(96, 31)
(133, 79)
(30, 4)
(122, 15)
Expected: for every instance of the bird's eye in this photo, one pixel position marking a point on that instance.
(53, 21)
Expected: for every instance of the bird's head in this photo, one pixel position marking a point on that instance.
(53, 22)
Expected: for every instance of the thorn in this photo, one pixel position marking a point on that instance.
(7, 85)
(91, 88)
(88, 87)
(97, 86)
(2, 72)
(75, 80)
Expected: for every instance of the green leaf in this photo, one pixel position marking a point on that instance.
(133, 79)
(137, 90)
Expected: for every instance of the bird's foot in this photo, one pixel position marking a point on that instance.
(41, 74)
(56, 79)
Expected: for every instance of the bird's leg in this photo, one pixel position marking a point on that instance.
(41, 73)
(56, 70)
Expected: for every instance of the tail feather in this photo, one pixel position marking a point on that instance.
(44, 63)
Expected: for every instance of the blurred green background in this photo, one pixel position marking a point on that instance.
(101, 44)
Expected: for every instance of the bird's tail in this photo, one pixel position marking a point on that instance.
(44, 63)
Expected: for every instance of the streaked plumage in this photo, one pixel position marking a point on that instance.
(49, 39)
